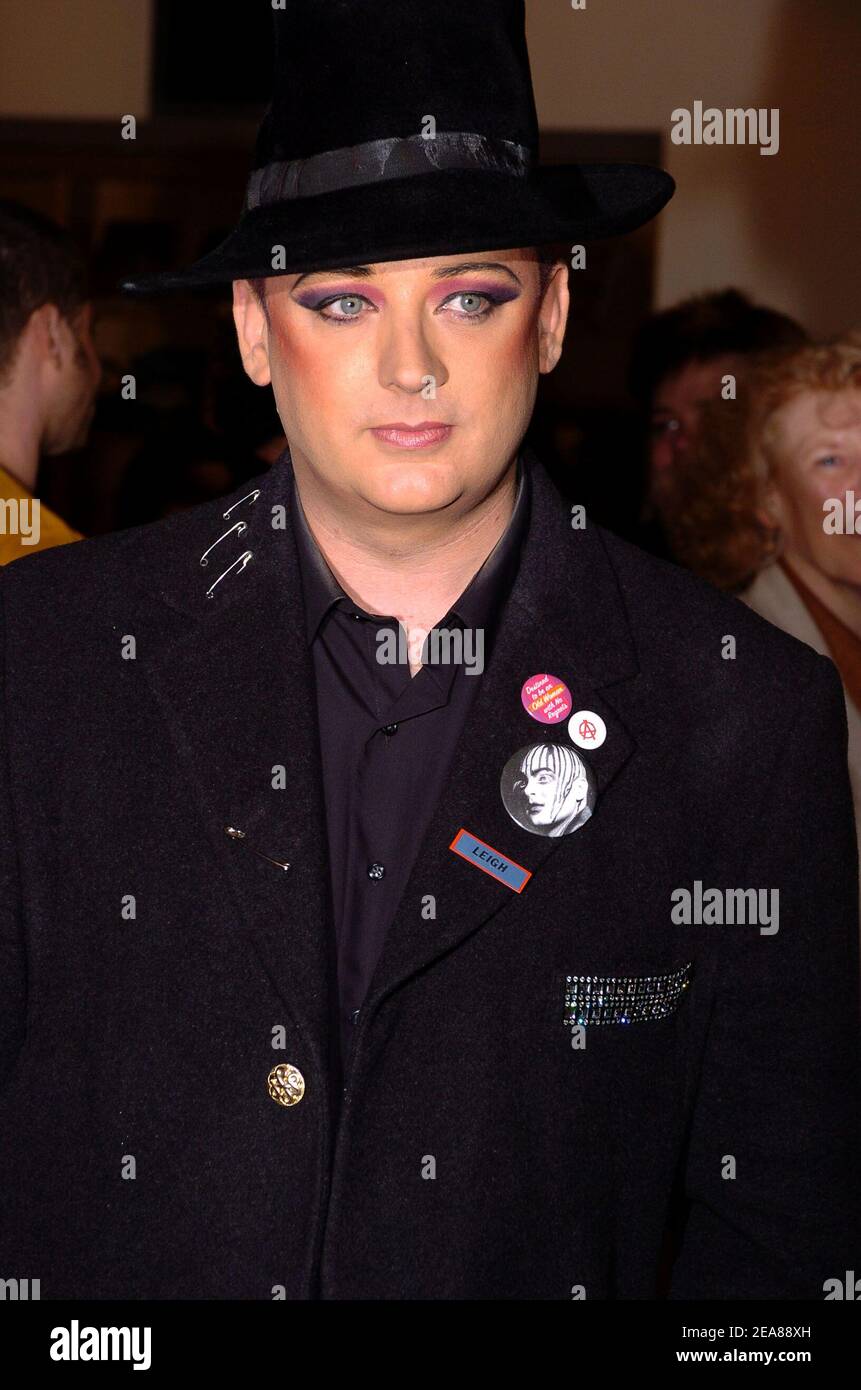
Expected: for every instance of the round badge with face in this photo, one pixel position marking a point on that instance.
(548, 789)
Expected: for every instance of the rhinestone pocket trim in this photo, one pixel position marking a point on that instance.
(623, 998)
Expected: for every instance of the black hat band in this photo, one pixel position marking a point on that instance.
(394, 158)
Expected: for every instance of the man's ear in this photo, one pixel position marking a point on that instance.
(553, 317)
(252, 332)
(54, 334)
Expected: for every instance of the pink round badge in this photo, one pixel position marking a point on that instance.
(546, 698)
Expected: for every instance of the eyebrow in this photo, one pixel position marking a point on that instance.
(351, 272)
(446, 272)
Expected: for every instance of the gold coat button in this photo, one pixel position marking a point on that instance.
(286, 1084)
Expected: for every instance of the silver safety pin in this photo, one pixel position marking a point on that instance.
(253, 495)
(240, 527)
(242, 562)
(240, 835)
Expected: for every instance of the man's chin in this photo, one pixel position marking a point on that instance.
(416, 494)
(403, 507)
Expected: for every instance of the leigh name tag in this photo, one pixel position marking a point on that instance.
(499, 866)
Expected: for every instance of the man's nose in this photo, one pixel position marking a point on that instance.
(408, 359)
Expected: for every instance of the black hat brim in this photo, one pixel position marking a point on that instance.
(444, 213)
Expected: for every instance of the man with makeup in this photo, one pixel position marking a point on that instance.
(323, 1013)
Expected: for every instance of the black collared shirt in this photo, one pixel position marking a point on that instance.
(387, 739)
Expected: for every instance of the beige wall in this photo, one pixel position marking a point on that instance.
(787, 227)
(75, 59)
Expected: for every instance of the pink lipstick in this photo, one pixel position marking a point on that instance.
(421, 436)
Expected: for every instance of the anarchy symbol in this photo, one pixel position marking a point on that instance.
(587, 729)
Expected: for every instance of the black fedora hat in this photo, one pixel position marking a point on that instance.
(403, 128)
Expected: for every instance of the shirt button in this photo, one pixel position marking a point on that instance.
(389, 729)
(376, 870)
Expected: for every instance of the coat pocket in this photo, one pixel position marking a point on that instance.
(622, 999)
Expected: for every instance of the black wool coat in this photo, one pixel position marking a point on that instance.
(154, 970)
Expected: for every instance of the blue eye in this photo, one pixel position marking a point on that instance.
(349, 305)
(828, 460)
(474, 304)
(471, 304)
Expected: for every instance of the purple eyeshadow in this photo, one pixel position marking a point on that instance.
(501, 294)
(312, 299)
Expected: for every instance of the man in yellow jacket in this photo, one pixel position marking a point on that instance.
(49, 371)
(25, 524)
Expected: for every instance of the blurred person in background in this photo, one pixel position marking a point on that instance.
(180, 461)
(765, 508)
(678, 364)
(49, 371)
(204, 429)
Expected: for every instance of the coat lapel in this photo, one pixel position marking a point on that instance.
(233, 679)
(566, 617)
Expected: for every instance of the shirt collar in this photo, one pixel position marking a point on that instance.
(477, 606)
